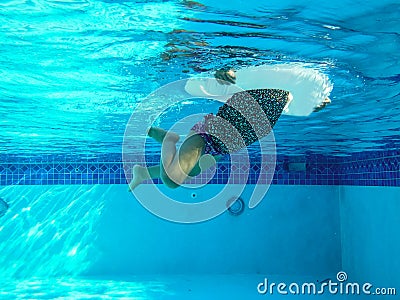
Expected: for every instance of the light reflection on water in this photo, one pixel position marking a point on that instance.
(81, 288)
(49, 231)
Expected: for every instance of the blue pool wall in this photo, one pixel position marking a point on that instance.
(294, 231)
(341, 213)
(313, 231)
(102, 230)
(380, 168)
(370, 239)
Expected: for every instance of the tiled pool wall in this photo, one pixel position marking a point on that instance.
(361, 169)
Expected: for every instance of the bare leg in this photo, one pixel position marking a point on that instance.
(173, 169)
(140, 173)
(159, 134)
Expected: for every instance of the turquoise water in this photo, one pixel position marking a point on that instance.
(72, 72)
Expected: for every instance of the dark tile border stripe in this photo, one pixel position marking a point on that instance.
(362, 169)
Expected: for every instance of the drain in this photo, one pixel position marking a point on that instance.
(235, 206)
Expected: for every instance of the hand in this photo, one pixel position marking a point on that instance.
(322, 105)
(225, 77)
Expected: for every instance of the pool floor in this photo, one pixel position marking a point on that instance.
(152, 287)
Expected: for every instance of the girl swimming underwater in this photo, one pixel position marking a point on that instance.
(245, 117)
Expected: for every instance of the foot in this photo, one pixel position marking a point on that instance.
(138, 178)
(159, 134)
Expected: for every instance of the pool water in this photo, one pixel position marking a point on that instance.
(78, 69)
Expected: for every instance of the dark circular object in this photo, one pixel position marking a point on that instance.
(235, 206)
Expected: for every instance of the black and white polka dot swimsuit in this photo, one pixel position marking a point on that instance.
(245, 118)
